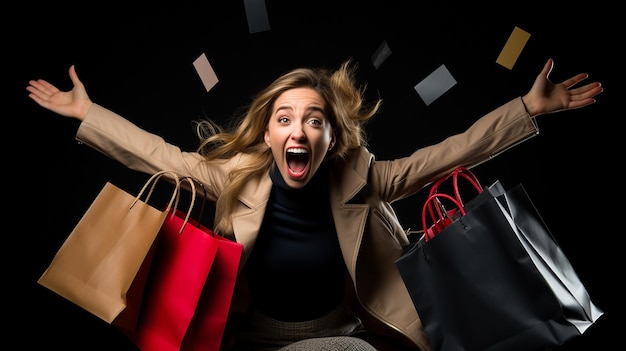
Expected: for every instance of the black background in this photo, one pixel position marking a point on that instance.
(138, 61)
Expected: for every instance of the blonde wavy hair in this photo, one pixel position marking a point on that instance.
(345, 109)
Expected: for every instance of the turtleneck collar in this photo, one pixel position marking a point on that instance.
(314, 193)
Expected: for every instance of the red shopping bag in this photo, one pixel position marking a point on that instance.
(191, 284)
(207, 327)
(182, 261)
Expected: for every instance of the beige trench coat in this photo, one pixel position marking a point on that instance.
(361, 192)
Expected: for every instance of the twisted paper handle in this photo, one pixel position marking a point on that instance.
(153, 180)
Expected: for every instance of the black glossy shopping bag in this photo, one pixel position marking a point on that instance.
(496, 279)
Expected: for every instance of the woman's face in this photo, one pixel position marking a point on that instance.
(299, 134)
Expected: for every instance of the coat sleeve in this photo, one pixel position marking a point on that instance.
(137, 149)
(492, 134)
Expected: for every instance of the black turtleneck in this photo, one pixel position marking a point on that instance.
(296, 271)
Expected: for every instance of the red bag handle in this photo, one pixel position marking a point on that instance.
(459, 171)
(427, 206)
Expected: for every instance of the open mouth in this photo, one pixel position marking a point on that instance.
(297, 161)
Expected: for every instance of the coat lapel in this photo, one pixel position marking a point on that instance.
(248, 216)
(347, 179)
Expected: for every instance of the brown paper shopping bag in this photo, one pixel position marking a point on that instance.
(97, 263)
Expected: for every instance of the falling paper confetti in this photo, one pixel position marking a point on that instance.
(256, 12)
(205, 71)
(381, 54)
(513, 47)
(433, 86)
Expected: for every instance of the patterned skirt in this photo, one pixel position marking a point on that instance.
(336, 331)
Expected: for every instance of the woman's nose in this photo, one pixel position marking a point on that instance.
(298, 133)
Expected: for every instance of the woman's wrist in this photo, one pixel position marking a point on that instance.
(528, 106)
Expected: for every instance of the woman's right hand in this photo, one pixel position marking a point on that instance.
(74, 103)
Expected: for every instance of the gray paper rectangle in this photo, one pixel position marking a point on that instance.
(381, 54)
(433, 86)
(256, 13)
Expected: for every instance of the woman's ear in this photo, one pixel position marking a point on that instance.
(332, 143)
(266, 136)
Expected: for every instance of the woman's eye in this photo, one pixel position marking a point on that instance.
(315, 122)
(283, 119)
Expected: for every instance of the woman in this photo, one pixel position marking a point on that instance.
(296, 185)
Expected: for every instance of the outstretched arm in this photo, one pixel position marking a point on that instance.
(74, 103)
(547, 97)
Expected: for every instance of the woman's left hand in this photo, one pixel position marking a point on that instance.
(547, 97)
